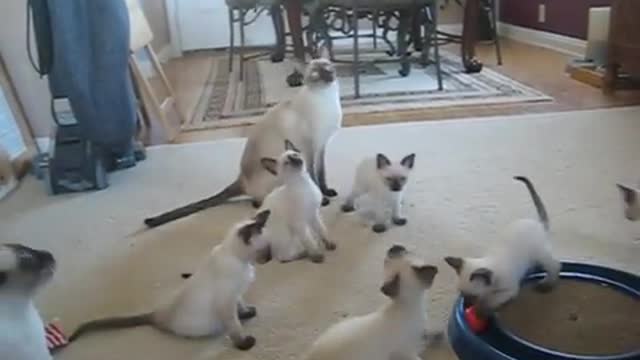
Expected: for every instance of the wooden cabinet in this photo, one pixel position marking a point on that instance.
(624, 41)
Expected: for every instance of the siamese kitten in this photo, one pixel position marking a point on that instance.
(309, 120)
(630, 199)
(296, 222)
(8, 180)
(493, 280)
(395, 331)
(23, 271)
(210, 302)
(384, 182)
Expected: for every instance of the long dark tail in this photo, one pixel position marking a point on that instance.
(112, 323)
(233, 190)
(542, 212)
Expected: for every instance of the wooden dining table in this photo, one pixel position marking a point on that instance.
(467, 40)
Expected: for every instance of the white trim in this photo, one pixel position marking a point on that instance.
(174, 28)
(43, 144)
(560, 43)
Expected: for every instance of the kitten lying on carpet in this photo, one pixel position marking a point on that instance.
(8, 179)
(397, 329)
(384, 182)
(23, 271)
(631, 205)
(296, 222)
(309, 119)
(493, 280)
(210, 302)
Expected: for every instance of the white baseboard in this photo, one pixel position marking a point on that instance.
(560, 43)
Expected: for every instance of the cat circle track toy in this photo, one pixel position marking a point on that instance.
(497, 342)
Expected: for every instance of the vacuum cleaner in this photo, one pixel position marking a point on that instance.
(83, 49)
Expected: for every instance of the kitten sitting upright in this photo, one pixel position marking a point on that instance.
(384, 182)
(631, 204)
(8, 180)
(395, 331)
(295, 210)
(493, 280)
(23, 271)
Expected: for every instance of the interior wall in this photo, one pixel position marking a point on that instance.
(156, 14)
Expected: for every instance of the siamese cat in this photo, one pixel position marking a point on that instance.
(211, 301)
(395, 331)
(493, 280)
(296, 223)
(384, 182)
(23, 272)
(8, 179)
(630, 199)
(309, 120)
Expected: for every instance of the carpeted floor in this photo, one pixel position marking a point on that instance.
(461, 194)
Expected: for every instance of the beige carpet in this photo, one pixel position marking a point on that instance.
(461, 194)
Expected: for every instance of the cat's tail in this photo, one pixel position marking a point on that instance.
(112, 323)
(231, 191)
(542, 212)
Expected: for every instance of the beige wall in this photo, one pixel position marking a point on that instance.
(156, 14)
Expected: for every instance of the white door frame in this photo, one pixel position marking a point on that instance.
(174, 27)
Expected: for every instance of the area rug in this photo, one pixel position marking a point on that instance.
(460, 194)
(227, 101)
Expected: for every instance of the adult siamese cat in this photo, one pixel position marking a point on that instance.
(309, 120)
(210, 302)
(493, 280)
(23, 271)
(8, 179)
(630, 197)
(395, 331)
(295, 223)
(384, 182)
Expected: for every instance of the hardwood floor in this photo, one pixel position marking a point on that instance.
(537, 67)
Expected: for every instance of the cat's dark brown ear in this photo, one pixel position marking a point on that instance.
(261, 218)
(483, 274)
(629, 195)
(408, 161)
(288, 145)
(382, 161)
(425, 273)
(269, 164)
(391, 287)
(455, 262)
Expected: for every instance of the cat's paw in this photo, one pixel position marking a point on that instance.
(325, 201)
(247, 313)
(379, 228)
(317, 258)
(246, 343)
(330, 245)
(399, 221)
(256, 203)
(347, 208)
(330, 192)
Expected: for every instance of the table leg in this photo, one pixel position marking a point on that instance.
(469, 36)
(294, 18)
(278, 27)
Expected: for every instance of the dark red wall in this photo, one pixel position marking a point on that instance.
(565, 17)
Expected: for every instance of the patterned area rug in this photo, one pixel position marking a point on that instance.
(226, 101)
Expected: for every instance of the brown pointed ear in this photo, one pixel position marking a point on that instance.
(271, 165)
(391, 287)
(455, 262)
(629, 195)
(425, 273)
(483, 274)
(288, 145)
(408, 161)
(261, 218)
(245, 233)
(382, 161)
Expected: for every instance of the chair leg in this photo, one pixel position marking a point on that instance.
(406, 18)
(231, 39)
(427, 39)
(356, 53)
(242, 42)
(278, 26)
(494, 25)
(374, 24)
(433, 38)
